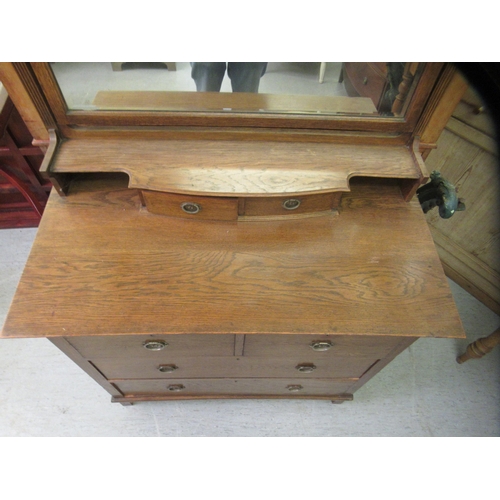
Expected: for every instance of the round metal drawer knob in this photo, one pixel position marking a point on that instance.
(190, 207)
(155, 345)
(294, 388)
(321, 345)
(167, 368)
(305, 368)
(291, 204)
(176, 387)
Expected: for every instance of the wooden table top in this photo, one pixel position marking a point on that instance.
(101, 265)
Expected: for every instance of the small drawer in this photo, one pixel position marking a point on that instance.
(317, 347)
(191, 207)
(153, 347)
(290, 205)
(235, 387)
(173, 367)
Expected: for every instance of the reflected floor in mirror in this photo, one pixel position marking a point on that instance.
(81, 82)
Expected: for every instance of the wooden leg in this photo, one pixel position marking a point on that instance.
(117, 66)
(171, 66)
(480, 347)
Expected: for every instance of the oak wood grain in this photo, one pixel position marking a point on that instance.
(228, 168)
(100, 261)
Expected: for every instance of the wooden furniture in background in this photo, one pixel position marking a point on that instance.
(480, 347)
(23, 191)
(469, 243)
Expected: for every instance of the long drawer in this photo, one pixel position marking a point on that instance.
(153, 347)
(275, 387)
(171, 367)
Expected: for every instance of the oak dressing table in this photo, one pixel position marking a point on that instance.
(192, 255)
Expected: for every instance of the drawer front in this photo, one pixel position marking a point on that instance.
(153, 347)
(241, 387)
(191, 207)
(173, 367)
(367, 80)
(315, 347)
(290, 205)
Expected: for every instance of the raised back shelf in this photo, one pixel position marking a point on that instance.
(235, 168)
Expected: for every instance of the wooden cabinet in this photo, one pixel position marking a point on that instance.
(161, 307)
(23, 191)
(468, 243)
(228, 256)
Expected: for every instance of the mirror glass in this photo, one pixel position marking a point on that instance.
(353, 89)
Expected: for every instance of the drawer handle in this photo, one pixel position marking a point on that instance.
(155, 345)
(321, 345)
(291, 204)
(167, 368)
(176, 387)
(294, 388)
(305, 368)
(190, 207)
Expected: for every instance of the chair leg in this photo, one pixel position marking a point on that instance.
(322, 69)
(480, 347)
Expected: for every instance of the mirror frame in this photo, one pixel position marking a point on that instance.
(74, 123)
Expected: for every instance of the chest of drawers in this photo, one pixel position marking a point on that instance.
(251, 246)
(262, 304)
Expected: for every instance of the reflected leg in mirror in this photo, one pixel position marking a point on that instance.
(245, 76)
(208, 76)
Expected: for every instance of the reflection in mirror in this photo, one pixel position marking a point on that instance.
(371, 89)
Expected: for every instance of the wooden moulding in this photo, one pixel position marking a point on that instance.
(128, 400)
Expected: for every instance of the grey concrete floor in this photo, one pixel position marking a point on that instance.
(423, 392)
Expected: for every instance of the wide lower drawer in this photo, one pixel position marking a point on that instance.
(153, 347)
(172, 367)
(319, 346)
(194, 387)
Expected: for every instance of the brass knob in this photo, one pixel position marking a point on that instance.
(291, 204)
(190, 208)
(294, 388)
(155, 345)
(167, 368)
(320, 345)
(305, 367)
(176, 387)
(365, 80)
